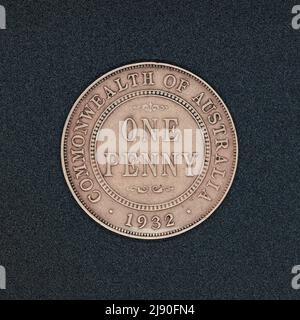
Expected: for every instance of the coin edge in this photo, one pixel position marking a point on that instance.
(182, 229)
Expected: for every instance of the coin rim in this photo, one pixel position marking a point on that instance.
(171, 233)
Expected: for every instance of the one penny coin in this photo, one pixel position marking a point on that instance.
(149, 150)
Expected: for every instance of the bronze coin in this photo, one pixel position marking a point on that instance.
(149, 150)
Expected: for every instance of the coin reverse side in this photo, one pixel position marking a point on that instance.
(149, 150)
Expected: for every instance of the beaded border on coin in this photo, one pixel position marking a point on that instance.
(180, 198)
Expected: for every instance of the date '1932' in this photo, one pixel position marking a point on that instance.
(156, 222)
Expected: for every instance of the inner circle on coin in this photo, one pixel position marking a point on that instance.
(149, 150)
(141, 200)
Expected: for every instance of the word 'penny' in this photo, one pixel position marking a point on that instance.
(149, 150)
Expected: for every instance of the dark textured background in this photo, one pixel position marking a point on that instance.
(51, 51)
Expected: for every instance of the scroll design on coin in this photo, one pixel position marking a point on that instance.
(153, 189)
(151, 107)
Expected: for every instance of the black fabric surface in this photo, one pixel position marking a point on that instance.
(247, 51)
